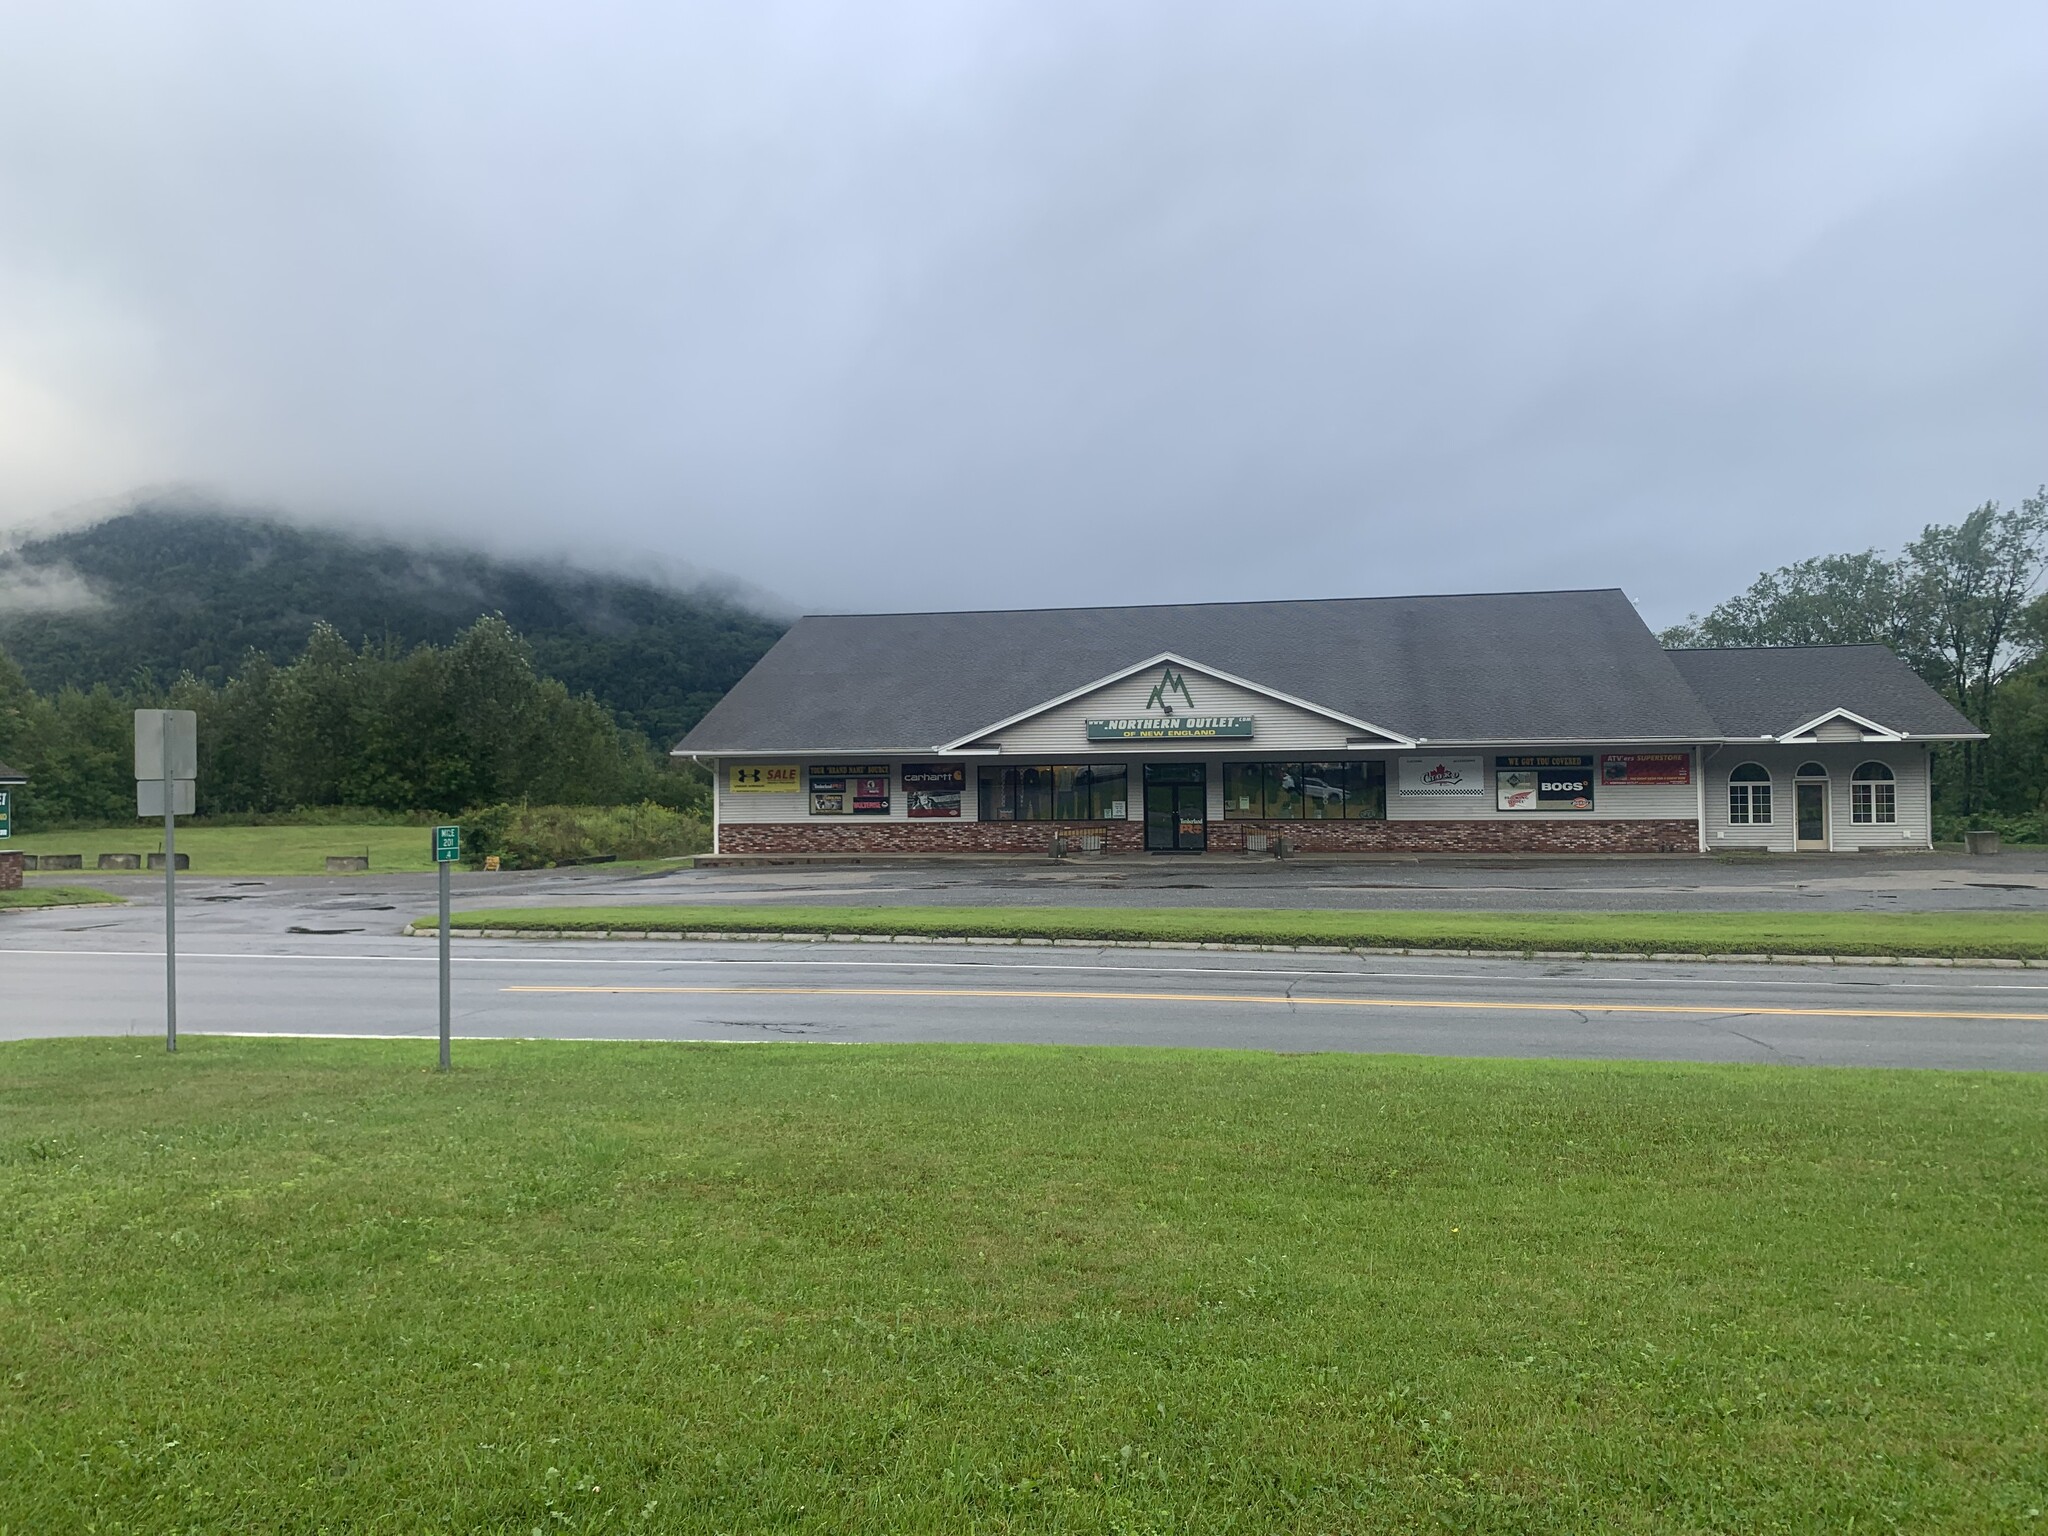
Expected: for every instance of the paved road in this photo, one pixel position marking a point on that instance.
(59, 979)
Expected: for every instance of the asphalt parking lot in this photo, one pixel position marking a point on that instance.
(2013, 881)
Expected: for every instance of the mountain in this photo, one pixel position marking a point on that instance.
(159, 590)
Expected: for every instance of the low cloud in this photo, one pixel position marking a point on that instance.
(26, 588)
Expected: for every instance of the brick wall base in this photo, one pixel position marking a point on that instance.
(10, 871)
(971, 837)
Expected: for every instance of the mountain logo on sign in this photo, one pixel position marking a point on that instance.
(1170, 682)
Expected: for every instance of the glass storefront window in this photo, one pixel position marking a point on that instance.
(1305, 791)
(1283, 791)
(1323, 790)
(1055, 792)
(1244, 791)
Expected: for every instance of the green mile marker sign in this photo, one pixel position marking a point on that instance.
(447, 844)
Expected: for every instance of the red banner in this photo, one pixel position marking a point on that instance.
(1629, 769)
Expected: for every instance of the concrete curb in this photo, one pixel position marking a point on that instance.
(412, 932)
(74, 906)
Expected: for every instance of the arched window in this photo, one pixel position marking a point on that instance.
(1873, 796)
(1749, 795)
(1811, 771)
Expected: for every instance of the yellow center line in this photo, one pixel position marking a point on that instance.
(1474, 1005)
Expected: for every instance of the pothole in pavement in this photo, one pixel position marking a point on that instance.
(295, 928)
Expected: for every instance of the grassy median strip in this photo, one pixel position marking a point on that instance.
(275, 1285)
(54, 896)
(1991, 935)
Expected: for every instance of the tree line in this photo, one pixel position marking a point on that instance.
(440, 728)
(1962, 606)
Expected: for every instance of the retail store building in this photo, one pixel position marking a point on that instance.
(1499, 722)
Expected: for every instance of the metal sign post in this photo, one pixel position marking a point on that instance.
(166, 767)
(447, 849)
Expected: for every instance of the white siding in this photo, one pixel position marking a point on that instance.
(1061, 734)
(1907, 761)
(1611, 802)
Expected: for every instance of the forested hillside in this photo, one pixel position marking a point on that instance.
(178, 591)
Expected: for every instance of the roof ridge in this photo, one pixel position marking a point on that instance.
(1246, 602)
(1828, 645)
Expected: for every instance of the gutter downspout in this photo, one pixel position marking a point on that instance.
(1700, 754)
(699, 761)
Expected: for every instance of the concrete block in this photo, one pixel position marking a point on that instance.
(347, 863)
(156, 861)
(120, 861)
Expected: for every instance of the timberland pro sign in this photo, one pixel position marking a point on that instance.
(1171, 717)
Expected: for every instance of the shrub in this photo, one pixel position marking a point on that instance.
(542, 836)
(2025, 827)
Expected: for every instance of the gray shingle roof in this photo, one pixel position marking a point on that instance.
(9, 776)
(1491, 667)
(1769, 690)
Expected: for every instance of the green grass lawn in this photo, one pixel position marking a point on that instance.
(1994, 934)
(270, 1285)
(53, 896)
(248, 850)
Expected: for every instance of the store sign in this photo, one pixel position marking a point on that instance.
(1170, 727)
(1172, 717)
(1632, 768)
(1551, 782)
(763, 779)
(849, 789)
(1442, 776)
(933, 789)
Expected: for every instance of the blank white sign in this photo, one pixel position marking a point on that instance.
(150, 725)
(149, 798)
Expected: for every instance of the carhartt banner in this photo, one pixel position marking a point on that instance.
(764, 779)
(1443, 776)
(1170, 727)
(933, 789)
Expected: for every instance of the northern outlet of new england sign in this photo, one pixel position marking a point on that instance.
(1170, 727)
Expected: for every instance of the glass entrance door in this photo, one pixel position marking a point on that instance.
(1812, 825)
(1176, 807)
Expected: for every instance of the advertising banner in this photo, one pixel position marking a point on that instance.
(849, 789)
(933, 789)
(763, 779)
(1559, 781)
(1442, 776)
(1631, 768)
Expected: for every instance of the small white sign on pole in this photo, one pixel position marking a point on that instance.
(151, 726)
(149, 798)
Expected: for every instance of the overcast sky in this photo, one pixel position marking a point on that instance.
(899, 305)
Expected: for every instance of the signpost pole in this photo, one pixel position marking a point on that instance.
(170, 898)
(442, 933)
(447, 849)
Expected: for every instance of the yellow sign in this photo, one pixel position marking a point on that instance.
(764, 779)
